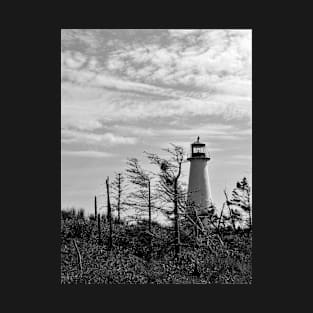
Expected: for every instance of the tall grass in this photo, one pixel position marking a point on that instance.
(139, 258)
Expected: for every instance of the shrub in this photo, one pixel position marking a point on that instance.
(133, 261)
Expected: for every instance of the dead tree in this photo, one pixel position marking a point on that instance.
(96, 213)
(169, 187)
(231, 215)
(192, 220)
(99, 230)
(220, 218)
(141, 198)
(119, 198)
(109, 214)
(149, 203)
(79, 258)
(198, 225)
(118, 188)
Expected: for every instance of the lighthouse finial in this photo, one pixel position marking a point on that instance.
(198, 138)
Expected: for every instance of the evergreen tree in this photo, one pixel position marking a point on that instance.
(118, 194)
(241, 198)
(170, 190)
(238, 203)
(141, 198)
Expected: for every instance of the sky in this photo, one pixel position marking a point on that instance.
(126, 91)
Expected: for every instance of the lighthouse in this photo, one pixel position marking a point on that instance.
(199, 191)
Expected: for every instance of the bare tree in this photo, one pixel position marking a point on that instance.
(96, 214)
(109, 213)
(118, 189)
(99, 230)
(220, 220)
(232, 216)
(141, 198)
(79, 258)
(169, 188)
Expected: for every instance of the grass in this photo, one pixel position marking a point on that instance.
(133, 260)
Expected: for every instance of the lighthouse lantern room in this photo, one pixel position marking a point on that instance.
(198, 150)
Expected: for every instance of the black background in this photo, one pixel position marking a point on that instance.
(34, 180)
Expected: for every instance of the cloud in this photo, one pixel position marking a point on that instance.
(186, 146)
(85, 107)
(88, 39)
(73, 136)
(243, 157)
(216, 53)
(140, 80)
(180, 33)
(134, 130)
(246, 132)
(240, 159)
(114, 64)
(87, 78)
(192, 130)
(86, 153)
(213, 135)
(182, 136)
(72, 59)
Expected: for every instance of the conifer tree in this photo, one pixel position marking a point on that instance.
(169, 187)
(141, 198)
(238, 203)
(241, 198)
(118, 193)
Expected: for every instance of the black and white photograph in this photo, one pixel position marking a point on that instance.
(156, 156)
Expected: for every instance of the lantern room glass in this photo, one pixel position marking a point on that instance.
(198, 149)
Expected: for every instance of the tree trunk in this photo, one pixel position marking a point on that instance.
(250, 211)
(119, 198)
(149, 199)
(232, 217)
(220, 219)
(79, 258)
(109, 215)
(230, 211)
(99, 231)
(177, 241)
(96, 213)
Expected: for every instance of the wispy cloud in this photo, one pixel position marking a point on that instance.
(186, 145)
(73, 136)
(125, 105)
(214, 55)
(239, 159)
(243, 156)
(86, 153)
(139, 80)
(73, 60)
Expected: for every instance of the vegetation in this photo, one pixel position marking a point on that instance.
(194, 249)
(131, 261)
(118, 187)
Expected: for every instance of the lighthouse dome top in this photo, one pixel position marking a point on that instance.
(198, 143)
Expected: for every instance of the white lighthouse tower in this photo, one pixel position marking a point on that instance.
(199, 191)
